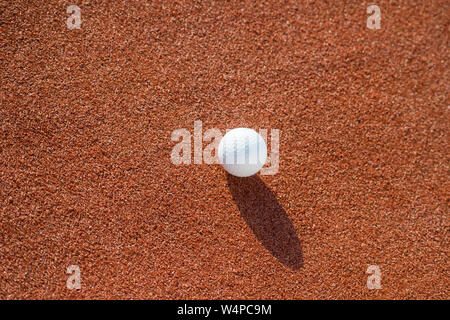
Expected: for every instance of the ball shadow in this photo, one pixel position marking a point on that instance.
(268, 220)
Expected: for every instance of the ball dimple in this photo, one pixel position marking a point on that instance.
(242, 152)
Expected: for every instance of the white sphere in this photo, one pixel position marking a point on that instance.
(242, 152)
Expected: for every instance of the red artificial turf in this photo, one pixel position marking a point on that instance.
(86, 178)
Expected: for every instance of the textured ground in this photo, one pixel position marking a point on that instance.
(86, 118)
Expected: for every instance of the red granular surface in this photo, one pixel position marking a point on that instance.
(86, 178)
